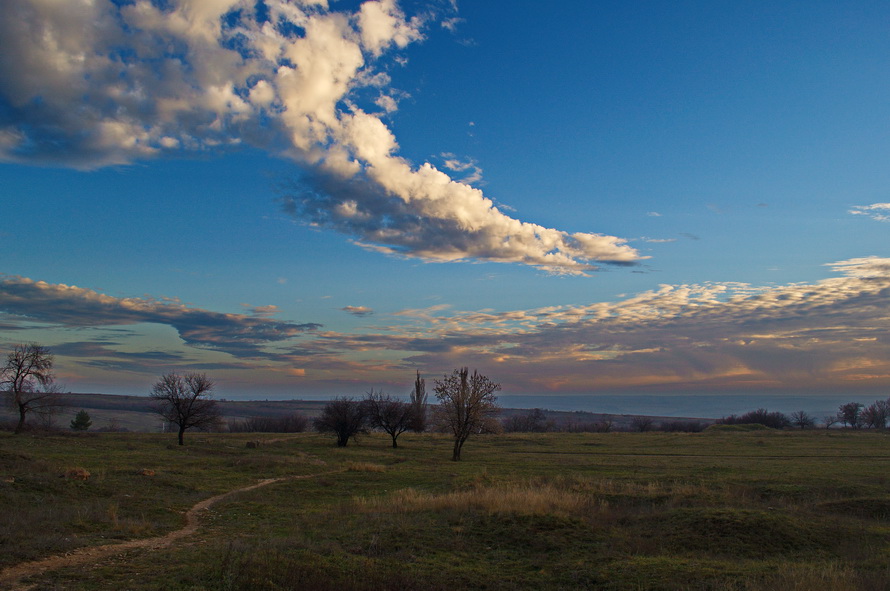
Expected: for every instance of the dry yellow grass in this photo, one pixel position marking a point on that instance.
(528, 500)
(364, 467)
(564, 496)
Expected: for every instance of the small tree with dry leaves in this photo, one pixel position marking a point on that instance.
(28, 380)
(467, 405)
(185, 401)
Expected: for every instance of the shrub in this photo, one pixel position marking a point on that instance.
(773, 420)
(293, 423)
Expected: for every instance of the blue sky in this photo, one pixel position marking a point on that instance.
(317, 198)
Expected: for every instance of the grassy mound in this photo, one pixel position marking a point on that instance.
(741, 533)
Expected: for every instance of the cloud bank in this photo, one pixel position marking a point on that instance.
(69, 306)
(833, 333)
(92, 83)
(688, 338)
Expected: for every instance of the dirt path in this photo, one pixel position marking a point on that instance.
(10, 577)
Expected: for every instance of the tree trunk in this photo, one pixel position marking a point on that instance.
(21, 425)
(455, 457)
(181, 432)
(394, 444)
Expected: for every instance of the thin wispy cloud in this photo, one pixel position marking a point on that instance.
(98, 84)
(879, 212)
(468, 167)
(358, 310)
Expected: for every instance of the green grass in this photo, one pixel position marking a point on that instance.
(721, 510)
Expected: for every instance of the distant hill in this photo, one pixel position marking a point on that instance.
(134, 413)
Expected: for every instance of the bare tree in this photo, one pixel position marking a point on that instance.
(292, 423)
(28, 380)
(642, 424)
(466, 404)
(533, 421)
(391, 416)
(850, 414)
(185, 401)
(418, 402)
(876, 414)
(803, 420)
(344, 417)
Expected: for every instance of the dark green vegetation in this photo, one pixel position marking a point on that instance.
(723, 509)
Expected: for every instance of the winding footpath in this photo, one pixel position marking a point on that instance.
(10, 577)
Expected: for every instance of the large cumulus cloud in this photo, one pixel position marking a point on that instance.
(91, 83)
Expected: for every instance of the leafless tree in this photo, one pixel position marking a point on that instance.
(466, 404)
(391, 416)
(419, 405)
(641, 424)
(344, 417)
(292, 423)
(533, 421)
(184, 401)
(802, 420)
(850, 414)
(29, 382)
(605, 425)
(876, 414)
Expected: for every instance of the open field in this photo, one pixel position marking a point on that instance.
(724, 509)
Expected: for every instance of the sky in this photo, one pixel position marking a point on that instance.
(315, 198)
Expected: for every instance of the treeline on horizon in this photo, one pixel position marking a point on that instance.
(853, 415)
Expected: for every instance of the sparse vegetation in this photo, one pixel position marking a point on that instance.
(533, 421)
(761, 416)
(292, 423)
(753, 510)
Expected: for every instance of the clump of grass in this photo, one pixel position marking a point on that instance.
(365, 467)
(863, 508)
(77, 474)
(522, 499)
(737, 428)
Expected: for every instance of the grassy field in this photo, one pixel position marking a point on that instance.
(720, 510)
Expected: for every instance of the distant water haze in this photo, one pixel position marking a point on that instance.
(698, 406)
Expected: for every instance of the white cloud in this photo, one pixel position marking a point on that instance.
(877, 211)
(92, 83)
(468, 167)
